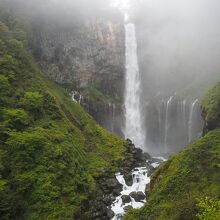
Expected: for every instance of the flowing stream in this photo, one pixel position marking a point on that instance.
(133, 196)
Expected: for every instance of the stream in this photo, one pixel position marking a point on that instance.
(133, 196)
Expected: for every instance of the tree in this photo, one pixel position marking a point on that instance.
(15, 118)
(33, 102)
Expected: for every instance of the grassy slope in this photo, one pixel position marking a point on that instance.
(187, 185)
(50, 148)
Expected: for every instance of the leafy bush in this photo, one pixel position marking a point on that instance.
(209, 209)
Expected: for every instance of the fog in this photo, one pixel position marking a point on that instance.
(178, 50)
(179, 42)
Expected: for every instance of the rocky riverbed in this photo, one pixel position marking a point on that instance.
(133, 193)
(117, 192)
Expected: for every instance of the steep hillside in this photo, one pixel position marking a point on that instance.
(51, 150)
(80, 46)
(187, 185)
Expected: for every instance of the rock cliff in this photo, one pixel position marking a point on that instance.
(86, 56)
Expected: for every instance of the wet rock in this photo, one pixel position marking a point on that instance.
(133, 195)
(126, 199)
(128, 178)
(128, 207)
(140, 196)
(110, 213)
(137, 196)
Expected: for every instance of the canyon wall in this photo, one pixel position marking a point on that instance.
(87, 57)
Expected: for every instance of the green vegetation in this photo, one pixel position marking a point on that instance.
(51, 150)
(187, 187)
(211, 107)
(209, 209)
(188, 176)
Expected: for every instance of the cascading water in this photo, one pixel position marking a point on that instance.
(133, 120)
(190, 123)
(167, 124)
(140, 178)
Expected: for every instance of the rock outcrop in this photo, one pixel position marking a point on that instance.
(87, 56)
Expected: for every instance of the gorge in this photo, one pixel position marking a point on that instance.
(104, 109)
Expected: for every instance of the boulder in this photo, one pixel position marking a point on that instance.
(110, 213)
(137, 196)
(126, 199)
(128, 178)
(140, 196)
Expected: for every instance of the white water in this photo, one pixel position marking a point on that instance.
(167, 123)
(190, 130)
(133, 120)
(140, 180)
(74, 95)
(184, 113)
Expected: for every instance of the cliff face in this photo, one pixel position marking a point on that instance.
(86, 56)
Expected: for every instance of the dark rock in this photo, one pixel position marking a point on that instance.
(137, 196)
(128, 178)
(126, 199)
(133, 194)
(140, 196)
(110, 213)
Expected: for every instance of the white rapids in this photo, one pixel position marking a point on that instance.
(140, 179)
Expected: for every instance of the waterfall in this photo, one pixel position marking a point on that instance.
(184, 113)
(190, 123)
(77, 97)
(133, 121)
(167, 123)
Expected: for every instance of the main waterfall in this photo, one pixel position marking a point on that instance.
(133, 120)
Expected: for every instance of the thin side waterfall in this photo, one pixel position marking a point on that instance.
(184, 113)
(192, 109)
(133, 121)
(167, 124)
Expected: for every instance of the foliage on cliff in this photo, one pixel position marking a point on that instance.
(50, 148)
(187, 185)
(211, 107)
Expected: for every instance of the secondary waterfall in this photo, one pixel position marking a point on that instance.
(190, 123)
(133, 120)
(167, 123)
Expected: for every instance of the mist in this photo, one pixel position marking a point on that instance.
(82, 43)
(179, 42)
